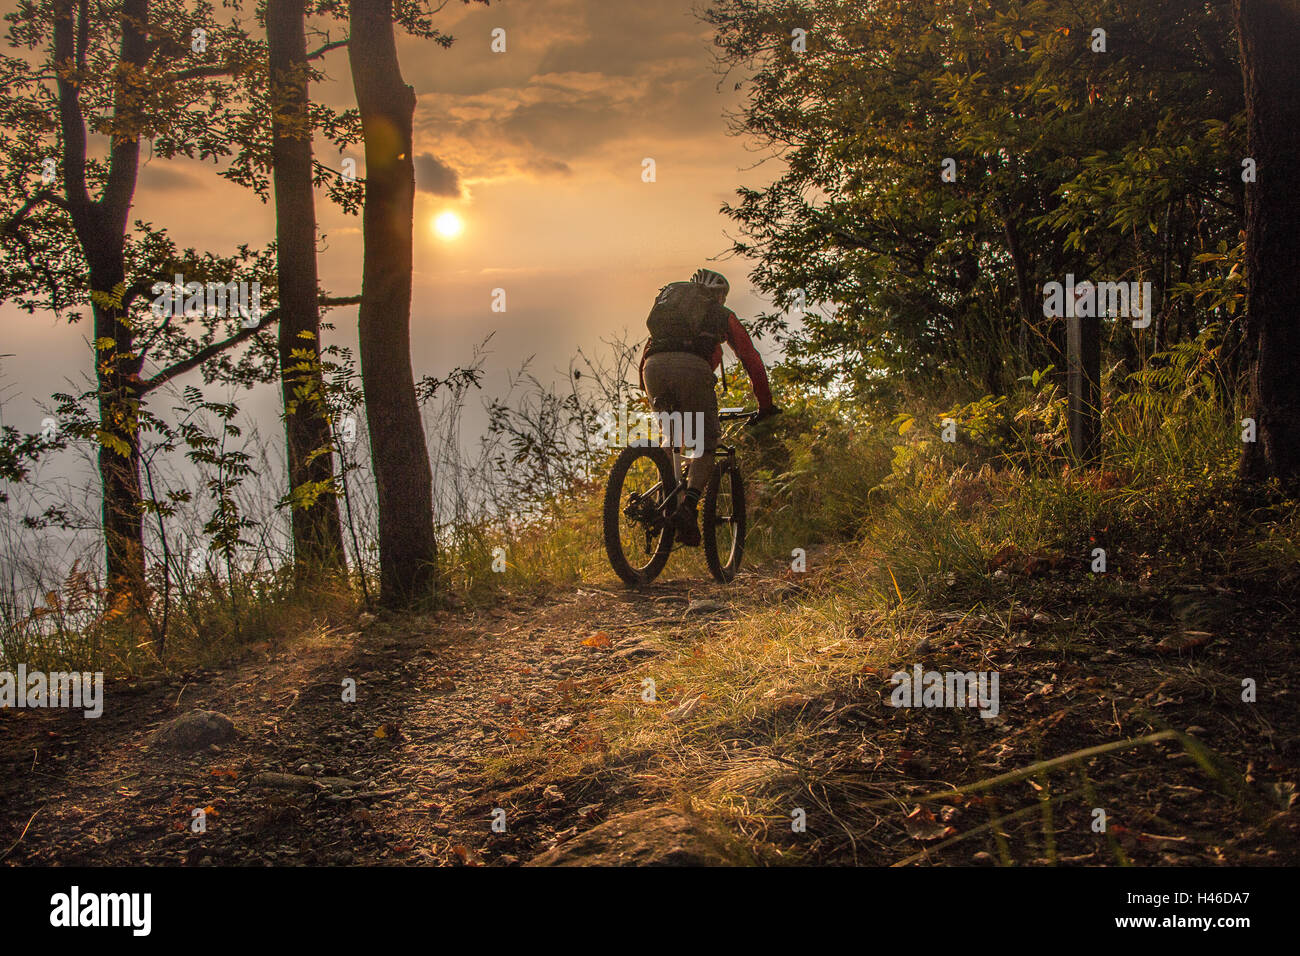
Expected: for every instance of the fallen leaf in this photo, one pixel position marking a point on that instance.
(466, 856)
(1183, 641)
(921, 825)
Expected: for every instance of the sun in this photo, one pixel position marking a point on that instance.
(448, 225)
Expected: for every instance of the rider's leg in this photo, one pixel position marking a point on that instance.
(699, 470)
(702, 431)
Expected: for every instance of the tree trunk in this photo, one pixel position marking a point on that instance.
(1269, 34)
(317, 532)
(400, 458)
(1024, 291)
(119, 446)
(100, 226)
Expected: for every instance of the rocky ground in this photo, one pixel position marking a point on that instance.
(287, 772)
(461, 718)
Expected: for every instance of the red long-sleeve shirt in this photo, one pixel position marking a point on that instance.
(743, 346)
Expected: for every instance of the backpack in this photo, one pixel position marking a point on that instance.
(686, 317)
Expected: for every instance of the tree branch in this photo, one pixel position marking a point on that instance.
(216, 348)
(124, 150)
(71, 120)
(230, 69)
(45, 195)
(324, 48)
(207, 352)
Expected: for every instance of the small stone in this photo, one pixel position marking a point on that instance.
(634, 651)
(195, 731)
(705, 607)
(282, 781)
(983, 858)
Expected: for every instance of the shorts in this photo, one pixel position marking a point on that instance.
(683, 382)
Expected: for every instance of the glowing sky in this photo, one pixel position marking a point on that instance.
(538, 151)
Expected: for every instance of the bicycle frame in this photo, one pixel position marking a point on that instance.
(669, 503)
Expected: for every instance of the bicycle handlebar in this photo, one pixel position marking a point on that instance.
(736, 414)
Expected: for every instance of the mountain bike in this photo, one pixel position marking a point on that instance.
(643, 491)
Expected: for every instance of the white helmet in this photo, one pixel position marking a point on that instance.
(712, 280)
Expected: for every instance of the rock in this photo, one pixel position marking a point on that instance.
(195, 731)
(299, 781)
(560, 724)
(1184, 641)
(787, 591)
(283, 781)
(658, 836)
(983, 859)
(636, 651)
(705, 607)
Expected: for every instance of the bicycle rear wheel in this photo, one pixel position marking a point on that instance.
(638, 538)
(724, 520)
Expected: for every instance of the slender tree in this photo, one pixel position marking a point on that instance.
(317, 532)
(399, 456)
(101, 228)
(124, 72)
(1269, 35)
(163, 71)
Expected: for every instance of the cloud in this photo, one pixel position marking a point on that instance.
(434, 176)
(548, 167)
(163, 176)
(584, 84)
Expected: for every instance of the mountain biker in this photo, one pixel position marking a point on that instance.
(688, 325)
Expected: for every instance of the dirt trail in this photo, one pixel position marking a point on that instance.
(464, 713)
(397, 777)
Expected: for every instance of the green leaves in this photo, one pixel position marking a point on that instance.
(1099, 165)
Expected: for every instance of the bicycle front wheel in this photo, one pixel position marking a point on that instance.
(724, 520)
(638, 538)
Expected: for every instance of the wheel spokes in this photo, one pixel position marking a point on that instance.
(724, 519)
(641, 523)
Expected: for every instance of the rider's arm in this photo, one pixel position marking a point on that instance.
(743, 346)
